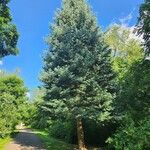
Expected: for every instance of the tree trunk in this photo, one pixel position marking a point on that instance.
(80, 134)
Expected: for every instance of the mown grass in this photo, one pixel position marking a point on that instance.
(4, 142)
(53, 144)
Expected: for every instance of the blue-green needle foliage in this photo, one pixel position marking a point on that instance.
(77, 72)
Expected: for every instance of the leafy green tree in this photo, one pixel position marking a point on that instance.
(77, 74)
(12, 100)
(37, 117)
(132, 136)
(132, 107)
(144, 25)
(8, 32)
(126, 48)
(132, 101)
(7, 117)
(37, 95)
(134, 96)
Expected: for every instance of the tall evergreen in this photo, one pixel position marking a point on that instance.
(77, 70)
(8, 31)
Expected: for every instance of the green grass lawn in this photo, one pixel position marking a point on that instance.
(3, 142)
(53, 144)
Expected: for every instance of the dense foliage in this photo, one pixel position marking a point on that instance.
(126, 48)
(131, 136)
(134, 94)
(132, 108)
(144, 25)
(8, 32)
(12, 103)
(37, 117)
(133, 99)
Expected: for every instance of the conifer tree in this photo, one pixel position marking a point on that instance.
(77, 70)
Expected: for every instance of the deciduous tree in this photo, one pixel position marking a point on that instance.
(144, 25)
(8, 31)
(12, 102)
(126, 48)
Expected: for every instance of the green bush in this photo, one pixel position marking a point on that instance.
(63, 130)
(40, 123)
(96, 134)
(37, 119)
(132, 136)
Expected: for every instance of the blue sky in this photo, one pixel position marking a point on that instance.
(33, 17)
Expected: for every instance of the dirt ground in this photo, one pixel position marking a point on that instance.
(25, 140)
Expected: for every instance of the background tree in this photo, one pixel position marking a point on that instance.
(132, 106)
(134, 93)
(8, 32)
(132, 100)
(126, 48)
(12, 100)
(37, 118)
(7, 114)
(77, 73)
(144, 25)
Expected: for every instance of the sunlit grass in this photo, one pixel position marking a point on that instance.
(4, 142)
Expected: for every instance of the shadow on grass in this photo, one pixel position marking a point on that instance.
(54, 144)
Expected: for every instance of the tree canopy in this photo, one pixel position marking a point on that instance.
(126, 47)
(12, 101)
(8, 31)
(144, 25)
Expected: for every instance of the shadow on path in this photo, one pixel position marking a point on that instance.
(26, 140)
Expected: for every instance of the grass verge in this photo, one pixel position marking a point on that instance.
(4, 141)
(53, 144)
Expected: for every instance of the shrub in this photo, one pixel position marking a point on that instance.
(132, 136)
(63, 130)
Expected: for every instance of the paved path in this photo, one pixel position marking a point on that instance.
(25, 140)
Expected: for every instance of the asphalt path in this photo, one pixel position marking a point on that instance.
(25, 140)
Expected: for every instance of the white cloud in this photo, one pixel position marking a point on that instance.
(148, 58)
(126, 19)
(133, 35)
(1, 62)
(28, 94)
